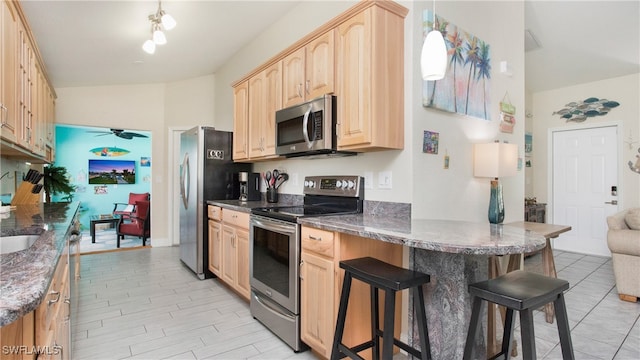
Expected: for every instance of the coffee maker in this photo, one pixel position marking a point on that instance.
(249, 186)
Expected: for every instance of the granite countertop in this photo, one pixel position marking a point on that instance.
(448, 236)
(25, 275)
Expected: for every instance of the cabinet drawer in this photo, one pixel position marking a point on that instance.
(318, 241)
(215, 212)
(235, 218)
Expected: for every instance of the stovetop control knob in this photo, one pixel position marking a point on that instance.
(338, 184)
(306, 183)
(344, 184)
(351, 184)
(312, 184)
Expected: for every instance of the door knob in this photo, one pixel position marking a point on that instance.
(612, 202)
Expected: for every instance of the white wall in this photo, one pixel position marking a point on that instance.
(455, 193)
(626, 91)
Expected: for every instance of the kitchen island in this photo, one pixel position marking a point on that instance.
(454, 253)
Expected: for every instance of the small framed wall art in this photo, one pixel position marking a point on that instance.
(430, 142)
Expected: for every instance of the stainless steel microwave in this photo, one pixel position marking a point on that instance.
(308, 128)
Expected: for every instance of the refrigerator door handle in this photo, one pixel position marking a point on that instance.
(184, 181)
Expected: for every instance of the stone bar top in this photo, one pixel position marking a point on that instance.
(25, 275)
(448, 236)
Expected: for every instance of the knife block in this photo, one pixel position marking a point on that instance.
(24, 194)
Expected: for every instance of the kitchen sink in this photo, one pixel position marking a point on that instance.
(9, 244)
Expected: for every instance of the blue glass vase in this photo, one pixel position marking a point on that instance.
(496, 203)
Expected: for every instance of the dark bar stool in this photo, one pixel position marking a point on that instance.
(380, 275)
(522, 291)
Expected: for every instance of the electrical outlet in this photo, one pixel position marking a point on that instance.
(293, 179)
(368, 179)
(384, 180)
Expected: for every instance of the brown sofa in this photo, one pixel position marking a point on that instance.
(624, 243)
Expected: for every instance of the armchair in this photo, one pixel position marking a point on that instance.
(623, 239)
(137, 224)
(126, 209)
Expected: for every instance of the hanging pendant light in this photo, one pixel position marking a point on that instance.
(149, 46)
(160, 21)
(433, 58)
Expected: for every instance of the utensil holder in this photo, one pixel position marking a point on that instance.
(272, 195)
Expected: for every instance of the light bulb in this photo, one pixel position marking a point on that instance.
(433, 60)
(149, 47)
(159, 38)
(168, 22)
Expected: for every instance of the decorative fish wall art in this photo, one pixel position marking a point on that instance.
(581, 110)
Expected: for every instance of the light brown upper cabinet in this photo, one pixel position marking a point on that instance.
(265, 98)
(27, 98)
(370, 81)
(241, 121)
(8, 72)
(358, 56)
(309, 71)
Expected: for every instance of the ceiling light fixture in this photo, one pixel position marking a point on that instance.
(159, 21)
(433, 59)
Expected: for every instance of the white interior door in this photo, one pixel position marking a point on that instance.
(585, 168)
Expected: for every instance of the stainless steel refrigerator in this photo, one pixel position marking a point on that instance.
(207, 172)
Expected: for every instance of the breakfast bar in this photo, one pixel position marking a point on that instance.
(454, 253)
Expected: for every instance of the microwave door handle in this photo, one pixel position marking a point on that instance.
(305, 130)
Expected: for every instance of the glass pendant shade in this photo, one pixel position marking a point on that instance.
(168, 22)
(433, 59)
(159, 38)
(149, 47)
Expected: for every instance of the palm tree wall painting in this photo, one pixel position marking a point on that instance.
(465, 89)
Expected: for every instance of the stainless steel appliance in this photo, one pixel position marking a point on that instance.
(308, 128)
(275, 251)
(207, 172)
(249, 186)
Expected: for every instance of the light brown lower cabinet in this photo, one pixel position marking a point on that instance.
(229, 248)
(45, 332)
(321, 284)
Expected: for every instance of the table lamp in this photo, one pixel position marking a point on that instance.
(495, 160)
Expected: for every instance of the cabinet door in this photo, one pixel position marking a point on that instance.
(293, 78)
(240, 121)
(228, 255)
(215, 247)
(353, 80)
(320, 66)
(242, 260)
(273, 102)
(257, 115)
(8, 71)
(25, 89)
(317, 314)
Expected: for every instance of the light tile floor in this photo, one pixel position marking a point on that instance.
(144, 304)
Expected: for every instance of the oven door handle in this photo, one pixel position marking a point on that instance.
(274, 227)
(271, 309)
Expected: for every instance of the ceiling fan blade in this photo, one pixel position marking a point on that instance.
(132, 134)
(124, 135)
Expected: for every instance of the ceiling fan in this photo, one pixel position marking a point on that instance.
(119, 133)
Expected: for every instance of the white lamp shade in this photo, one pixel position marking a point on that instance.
(168, 22)
(433, 59)
(159, 38)
(149, 47)
(495, 160)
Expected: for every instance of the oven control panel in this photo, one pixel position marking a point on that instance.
(340, 185)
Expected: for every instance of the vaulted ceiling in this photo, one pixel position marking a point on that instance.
(90, 43)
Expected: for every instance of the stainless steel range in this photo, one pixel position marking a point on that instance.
(275, 251)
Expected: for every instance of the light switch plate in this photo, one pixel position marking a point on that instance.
(384, 180)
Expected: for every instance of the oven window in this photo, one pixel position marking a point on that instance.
(271, 259)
